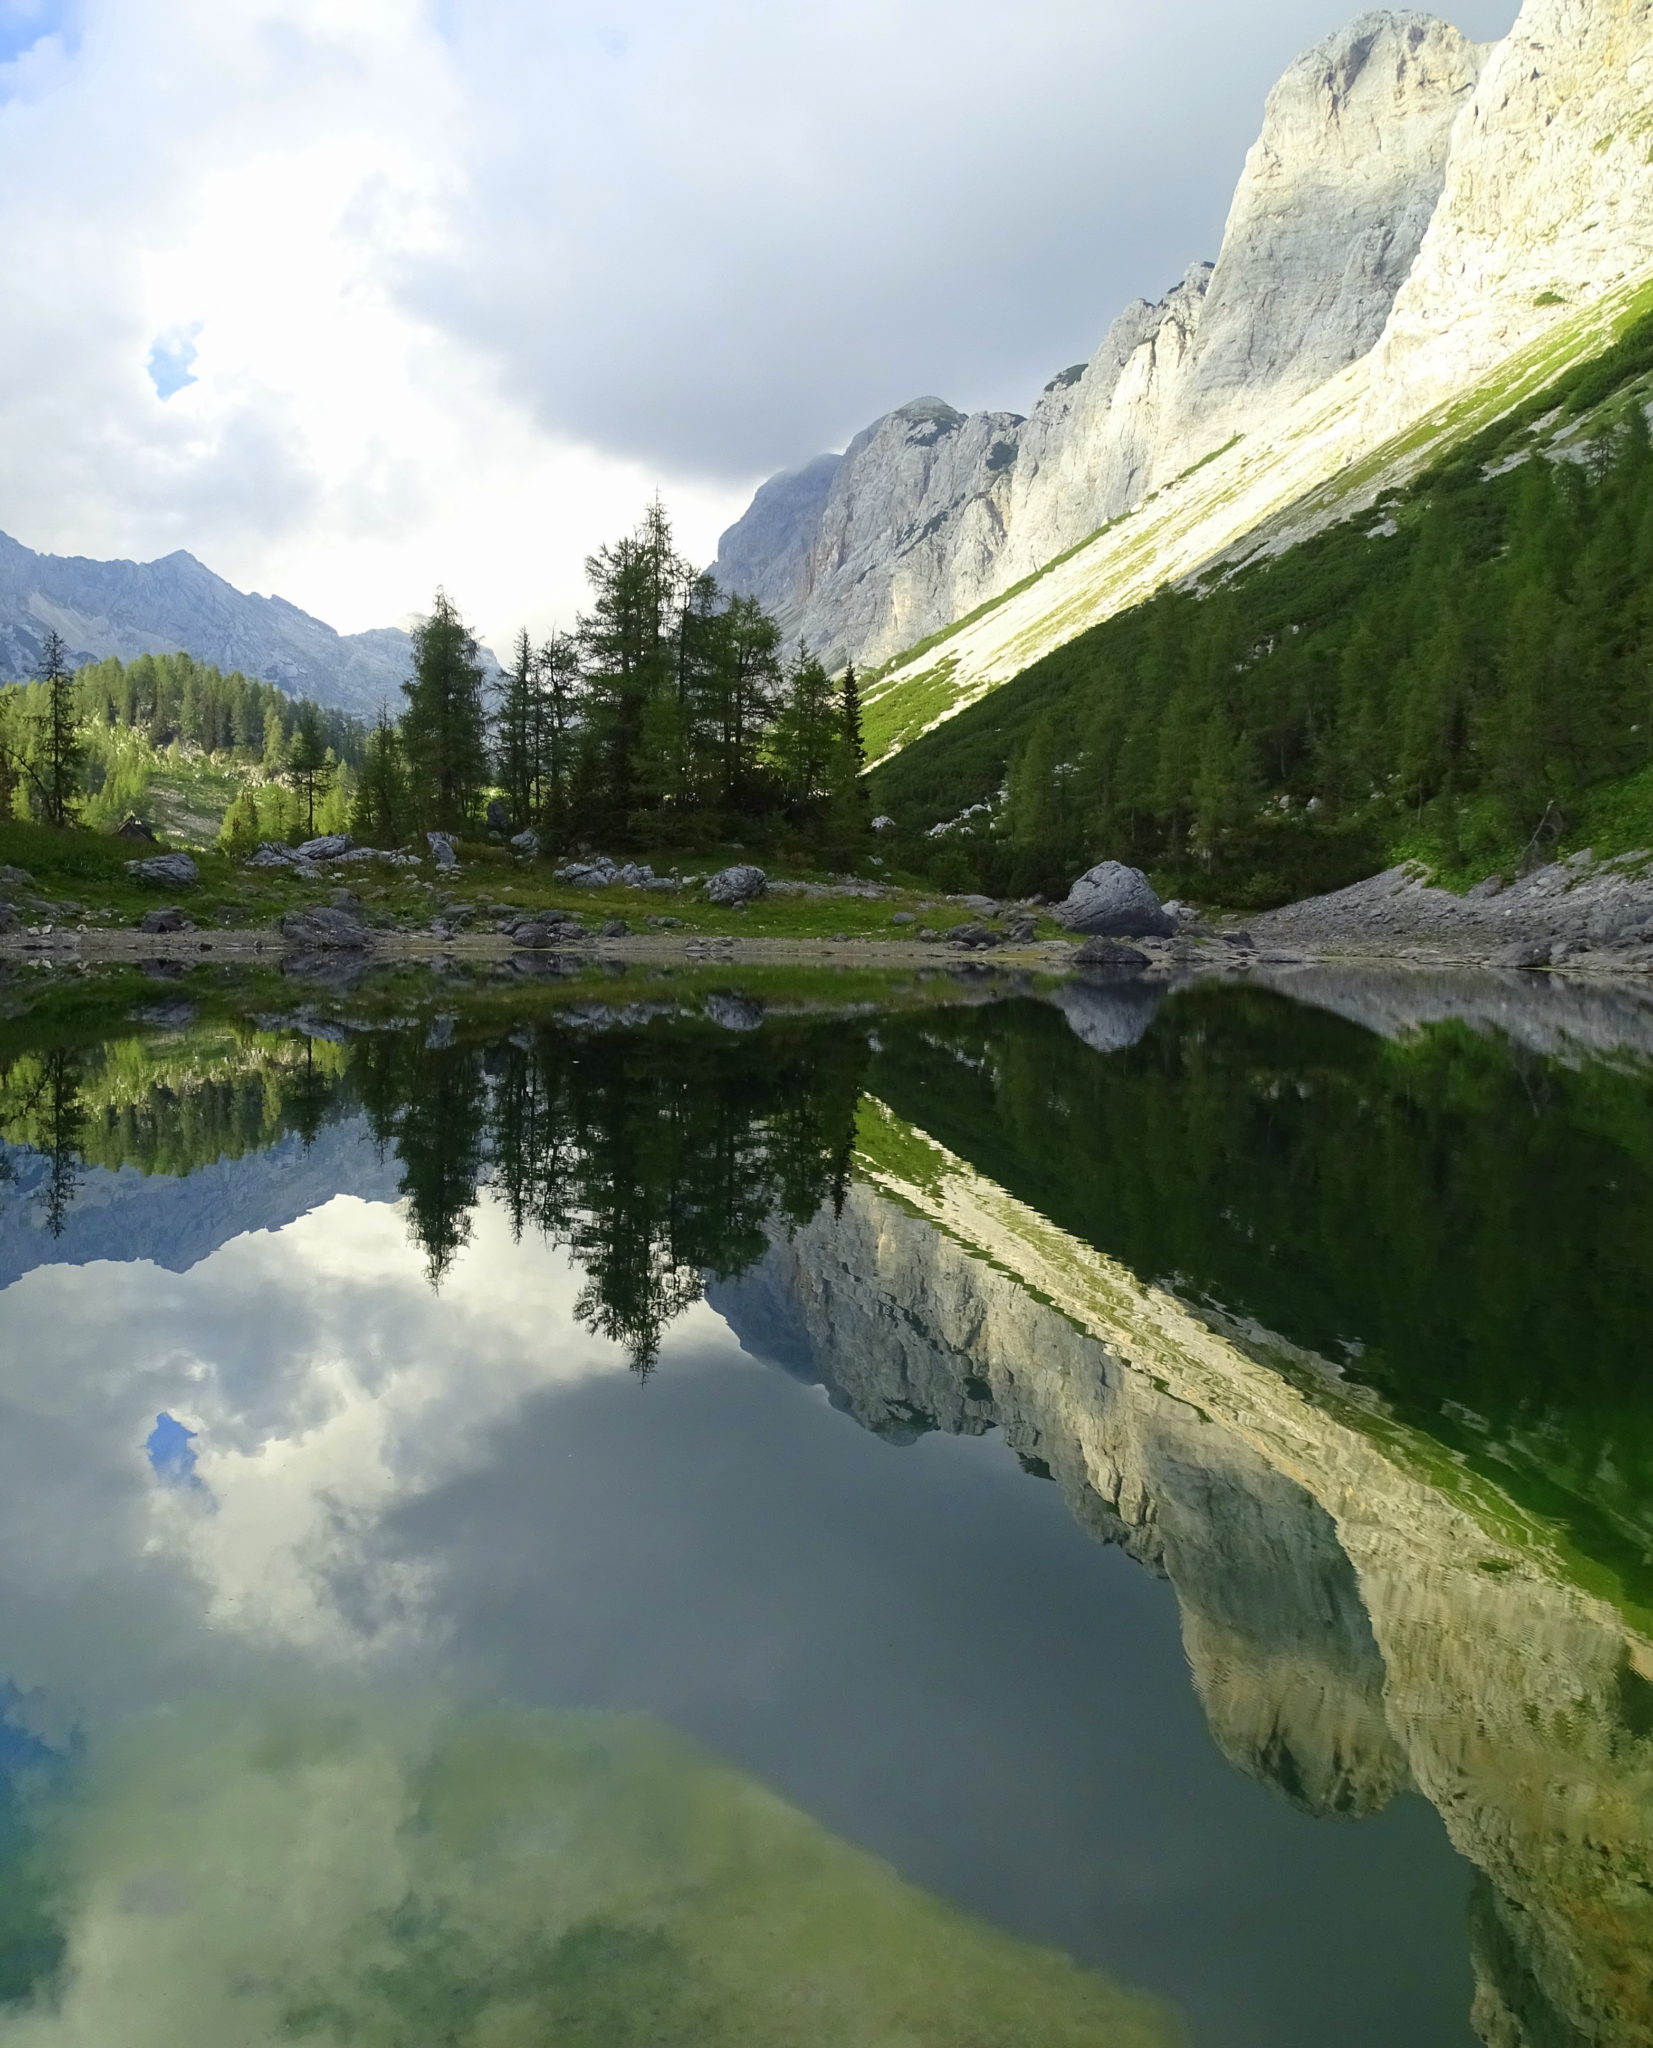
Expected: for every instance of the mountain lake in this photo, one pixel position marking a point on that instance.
(659, 1511)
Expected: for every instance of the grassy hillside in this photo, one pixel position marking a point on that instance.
(1463, 673)
(1313, 465)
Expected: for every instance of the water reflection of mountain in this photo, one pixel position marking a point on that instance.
(1355, 1622)
(176, 1220)
(1463, 1224)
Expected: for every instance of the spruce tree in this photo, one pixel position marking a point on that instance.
(516, 732)
(852, 717)
(61, 748)
(444, 728)
(379, 813)
(308, 763)
(806, 731)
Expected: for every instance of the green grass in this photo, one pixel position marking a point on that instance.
(89, 869)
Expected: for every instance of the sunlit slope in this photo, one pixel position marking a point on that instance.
(1257, 496)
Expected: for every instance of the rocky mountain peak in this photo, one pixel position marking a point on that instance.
(930, 512)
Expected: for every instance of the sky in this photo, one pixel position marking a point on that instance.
(352, 298)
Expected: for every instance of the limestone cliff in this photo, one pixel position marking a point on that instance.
(1329, 215)
(1358, 1617)
(1428, 232)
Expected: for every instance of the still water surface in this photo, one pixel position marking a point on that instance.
(983, 1519)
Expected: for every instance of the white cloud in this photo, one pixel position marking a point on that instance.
(327, 1387)
(467, 280)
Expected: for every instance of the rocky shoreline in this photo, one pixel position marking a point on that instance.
(1580, 914)
(1578, 917)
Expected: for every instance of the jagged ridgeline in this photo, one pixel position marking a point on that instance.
(1459, 673)
(1428, 232)
(172, 735)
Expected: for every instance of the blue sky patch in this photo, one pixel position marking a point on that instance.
(171, 1452)
(24, 22)
(172, 358)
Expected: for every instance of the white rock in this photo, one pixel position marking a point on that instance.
(929, 512)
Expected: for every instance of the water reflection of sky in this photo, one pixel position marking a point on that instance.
(294, 1460)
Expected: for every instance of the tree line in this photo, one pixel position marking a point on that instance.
(654, 1157)
(84, 745)
(1453, 673)
(668, 716)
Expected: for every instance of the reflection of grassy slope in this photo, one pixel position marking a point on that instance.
(1209, 1360)
(1478, 1226)
(371, 1871)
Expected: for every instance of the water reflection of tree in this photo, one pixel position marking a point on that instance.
(655, 1155)
(41, 1100)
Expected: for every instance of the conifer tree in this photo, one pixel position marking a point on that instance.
(516, 733)
(379, 814)
(60, 750)
(443, 728)
(240, 829)
(852, 717)
(806, 733)
(309, 763)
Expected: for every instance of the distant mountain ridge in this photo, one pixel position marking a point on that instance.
(178, 605)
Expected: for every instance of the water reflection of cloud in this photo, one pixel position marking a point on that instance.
(322, 1384)
(386, 1868)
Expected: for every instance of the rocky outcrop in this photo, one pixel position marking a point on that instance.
(1354, 1625)
(1575, 911)
(929, 512)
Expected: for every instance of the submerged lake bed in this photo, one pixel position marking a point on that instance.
(702, 1509)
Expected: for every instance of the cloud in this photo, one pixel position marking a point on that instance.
(466, 283)
(727, 236)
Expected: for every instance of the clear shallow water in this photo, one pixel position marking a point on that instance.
(626, 1529)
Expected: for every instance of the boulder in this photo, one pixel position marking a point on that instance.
(441, 850)
(615, 928)
(1109, 1016)
(1021, 931)
(1525, 954)
(325, 929)
(9, 921)
(499, 816)
(273, 853)
(736, 885)
(1109, 956)
(165, 871)
(902, 917)
(526, 843)
(974, 936)
(1112, 901)
(587, 874)
(168, 919)
(328, 847)
(733, 1013)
